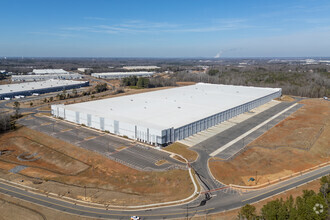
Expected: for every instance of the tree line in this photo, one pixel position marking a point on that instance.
(306, 84)
(310, 206)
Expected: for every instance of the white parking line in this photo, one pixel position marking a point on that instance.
(224, 147)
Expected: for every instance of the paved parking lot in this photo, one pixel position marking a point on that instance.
(118, 149)
(214, 143)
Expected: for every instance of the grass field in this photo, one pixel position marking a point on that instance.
(182, 150)
(299, 142)
(66, 169)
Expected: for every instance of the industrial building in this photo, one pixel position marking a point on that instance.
(118, 75)
(141, 67)
(49, 71)
(28, 88)
(165, 116)
(32, 78)
(83, 69)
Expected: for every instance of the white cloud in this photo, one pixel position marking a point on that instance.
(138, 26)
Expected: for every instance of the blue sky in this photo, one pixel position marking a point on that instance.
(165, 28)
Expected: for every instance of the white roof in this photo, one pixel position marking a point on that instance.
(49, 71)
(140, 67)
(172, 107)
(43, 76)
(20, 87)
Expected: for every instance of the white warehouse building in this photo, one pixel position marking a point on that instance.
(31, 78)
(141, 67)
(49, 71)
(28, 88)
(168, 115)
(118, 75)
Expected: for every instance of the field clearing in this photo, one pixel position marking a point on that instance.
(299, 142)
(182, 150)
(11, 210)
(42, 156)
(66, 169)
(185, 83)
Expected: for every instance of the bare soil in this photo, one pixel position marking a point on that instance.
(299, 142)
(12, 209)
(66, 169)
(285, 98)
(185, 83)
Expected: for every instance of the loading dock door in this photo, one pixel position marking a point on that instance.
(116, 126)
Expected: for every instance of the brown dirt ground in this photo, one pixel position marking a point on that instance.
(182, 150)
(48, 157)
(285, 98)
(11, 208)
(185, 83)
(232, 215)
(299, 142)
(107, 181)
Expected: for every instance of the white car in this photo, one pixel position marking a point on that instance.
(135, 218)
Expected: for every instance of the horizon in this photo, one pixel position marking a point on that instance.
(165, 29)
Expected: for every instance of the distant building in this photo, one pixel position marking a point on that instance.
(118, 75)
(83, 69)
(28, 88)
(49, 71)
(32, 78)
(140, 67)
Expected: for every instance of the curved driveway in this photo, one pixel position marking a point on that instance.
(221, 201)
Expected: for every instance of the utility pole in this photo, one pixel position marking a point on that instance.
(256, 177)
(85, 192)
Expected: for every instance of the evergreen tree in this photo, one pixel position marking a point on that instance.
(247, 212)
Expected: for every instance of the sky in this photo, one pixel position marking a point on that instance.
(165, 28)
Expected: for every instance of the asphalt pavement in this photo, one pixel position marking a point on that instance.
(122, 150)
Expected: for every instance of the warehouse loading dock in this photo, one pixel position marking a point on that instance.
(165, 116)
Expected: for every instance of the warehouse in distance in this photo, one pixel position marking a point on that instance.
(119, 75)
(28, 88)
